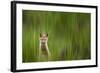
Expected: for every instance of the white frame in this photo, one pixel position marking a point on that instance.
(60, 8)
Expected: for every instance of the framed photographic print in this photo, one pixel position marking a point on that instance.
(47, 36)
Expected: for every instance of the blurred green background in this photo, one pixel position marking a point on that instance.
(68, 35)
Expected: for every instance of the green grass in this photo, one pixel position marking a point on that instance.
(68, 35)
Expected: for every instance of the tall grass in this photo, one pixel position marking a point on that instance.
(68, 35)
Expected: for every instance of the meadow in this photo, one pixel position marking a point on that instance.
(69, 35)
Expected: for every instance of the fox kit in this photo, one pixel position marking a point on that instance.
(43, 47)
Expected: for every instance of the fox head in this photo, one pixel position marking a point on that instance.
(43, 37)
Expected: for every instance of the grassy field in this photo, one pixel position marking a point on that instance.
(69, 35)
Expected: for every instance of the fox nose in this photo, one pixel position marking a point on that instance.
(43, 39)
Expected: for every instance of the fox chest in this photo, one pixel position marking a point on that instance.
(44, 48)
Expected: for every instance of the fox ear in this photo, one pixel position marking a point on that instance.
(40, 35)
(47, 34)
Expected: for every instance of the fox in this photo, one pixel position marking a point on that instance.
(43, 47)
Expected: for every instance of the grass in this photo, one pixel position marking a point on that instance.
(68, 35)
